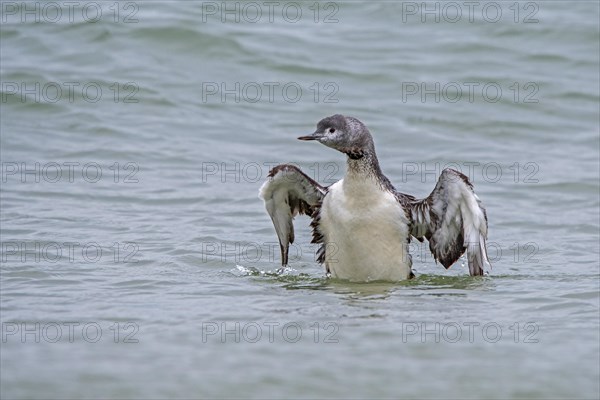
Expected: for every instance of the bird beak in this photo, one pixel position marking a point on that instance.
(314, 136)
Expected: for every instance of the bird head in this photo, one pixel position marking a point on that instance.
(345, 134)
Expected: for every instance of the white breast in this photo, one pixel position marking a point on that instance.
(365, 231)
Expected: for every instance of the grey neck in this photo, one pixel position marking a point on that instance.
(365, 165)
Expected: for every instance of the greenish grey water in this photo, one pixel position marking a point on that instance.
(186, 279)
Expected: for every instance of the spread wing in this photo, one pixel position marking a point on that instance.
(286, 193)
(453, 220)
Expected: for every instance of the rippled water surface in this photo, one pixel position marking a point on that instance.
(138, 262)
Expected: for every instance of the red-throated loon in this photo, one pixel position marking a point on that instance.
(364, 226)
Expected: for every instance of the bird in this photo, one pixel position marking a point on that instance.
(362, 224)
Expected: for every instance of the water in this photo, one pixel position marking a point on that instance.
(158, 277)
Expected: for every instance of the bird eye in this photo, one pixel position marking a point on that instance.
(331, 130)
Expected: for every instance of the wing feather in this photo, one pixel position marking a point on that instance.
(453, 220)
(287, 193)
